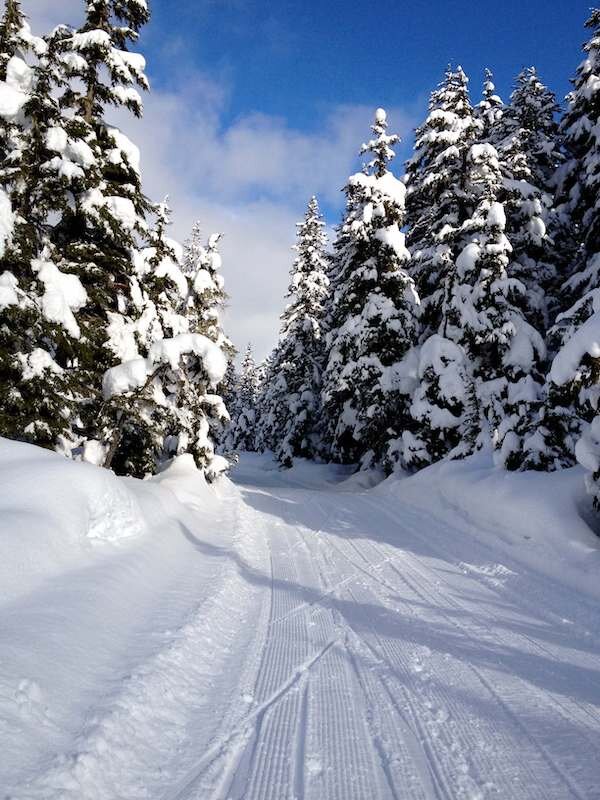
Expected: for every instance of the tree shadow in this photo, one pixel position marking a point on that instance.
(448, 634)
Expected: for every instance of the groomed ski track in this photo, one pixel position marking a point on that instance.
(335, 646)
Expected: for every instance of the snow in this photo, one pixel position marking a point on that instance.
(124, 146)
(121, 337)
(91, 40)
(586, 339)
(14, 92)
(123, 211)
(170, 268)
(36, 363)
(587, 449)
(63, 294)
(468, 258)
(75, 153)
(496, 217)
(7, 222)
(8, 290)
(394, 238)
(133, 374)
(296, 634)
(386, 185)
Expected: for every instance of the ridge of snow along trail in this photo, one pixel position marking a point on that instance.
(296, 635)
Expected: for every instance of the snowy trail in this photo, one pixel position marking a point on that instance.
(330, 645)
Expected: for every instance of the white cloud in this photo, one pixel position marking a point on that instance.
(45, 14)
(250, 178)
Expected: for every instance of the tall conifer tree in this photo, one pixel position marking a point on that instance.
(374, 314)
(290, 405)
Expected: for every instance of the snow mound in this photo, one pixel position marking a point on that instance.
(183, 478)
(538, 519)
(51, 509)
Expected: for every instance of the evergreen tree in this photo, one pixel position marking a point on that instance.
(99, 235)
(574, 380)
(490, 109)
(374, 313)
(242, 435)
(440, 203)
(444, 406)
(179, 408)
(144, 438)
(531, 151)
(205, 304)
(39, 334)
(437, 204)
(291, 403)
(486, 318)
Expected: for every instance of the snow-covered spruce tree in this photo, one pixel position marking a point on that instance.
(99, 235)
(39, 333)
(574, 379)
(242, 432)
(177, 409)
(490, 109)
(506, 353)
(264, 378)
(530, 150)
(444, 406)
(437, 203)
(15, 36)
(143, 439)
(374, 314)
(444, 409)
(227, 390)
(532, 115)
(205, 305)
(290, 404)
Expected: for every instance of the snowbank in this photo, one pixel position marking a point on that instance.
(51, 510)
(538, 519)
(54, 511)
(106, 591)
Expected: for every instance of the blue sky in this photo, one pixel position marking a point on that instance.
(295, 59)
(257, 105)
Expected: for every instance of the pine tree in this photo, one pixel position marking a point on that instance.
(444, 409)
(374, 313)
(99, 235)
(205, 305)
(242, 433)
(437, 204)
(490, 109)
(179, 408)
(574, 378)
(147, 433)
(486, 318)
(291, 403)
(16, 38)
(39, 334)
(444, 406)
(531, 151)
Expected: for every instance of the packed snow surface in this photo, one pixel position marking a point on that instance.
(296, 634)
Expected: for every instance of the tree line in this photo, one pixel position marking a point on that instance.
(457, 309)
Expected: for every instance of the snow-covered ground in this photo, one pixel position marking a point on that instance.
(296, 634)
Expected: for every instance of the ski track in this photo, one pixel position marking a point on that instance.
(351, 650)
